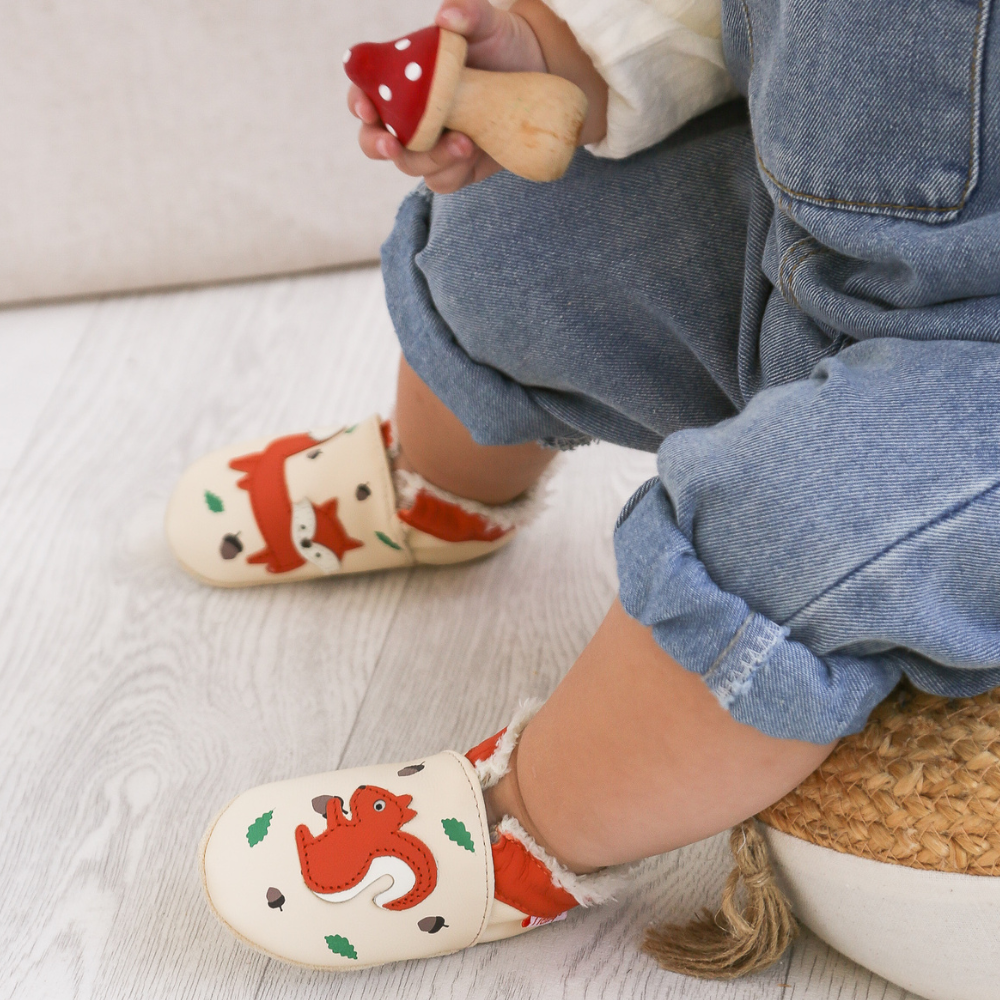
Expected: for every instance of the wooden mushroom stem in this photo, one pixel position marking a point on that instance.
(528, 122)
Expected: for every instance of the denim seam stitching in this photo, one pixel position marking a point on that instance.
(738, 677)
(941, 518)
(720, 659)
(746, 17)
(784, 263)
(790, 281)
(784, 280)
(974, 117)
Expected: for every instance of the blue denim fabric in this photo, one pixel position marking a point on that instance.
(554, 311)
(802, 316)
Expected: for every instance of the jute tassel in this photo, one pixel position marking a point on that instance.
(739, 939)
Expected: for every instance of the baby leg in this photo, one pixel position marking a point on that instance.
(434, 443)
(632, 755)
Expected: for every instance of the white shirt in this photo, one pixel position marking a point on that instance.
(662, 61)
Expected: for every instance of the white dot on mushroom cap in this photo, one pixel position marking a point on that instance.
(413, 71)
(391, 130)
(384, 92)
(347, 55)
(403, 43)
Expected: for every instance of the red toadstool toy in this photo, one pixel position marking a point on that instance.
(528, 122)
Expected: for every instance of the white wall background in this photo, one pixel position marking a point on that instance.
(176, 141)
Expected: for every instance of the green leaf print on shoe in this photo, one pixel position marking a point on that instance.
(339, 945)
(257, 830)
(457, 832)
(214, 502)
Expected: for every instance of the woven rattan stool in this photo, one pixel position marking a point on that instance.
(890, 852)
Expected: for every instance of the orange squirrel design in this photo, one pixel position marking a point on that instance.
(345, 858)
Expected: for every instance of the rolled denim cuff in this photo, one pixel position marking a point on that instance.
(761, 676)
(495, 409)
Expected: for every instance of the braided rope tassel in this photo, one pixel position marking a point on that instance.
(739, 939)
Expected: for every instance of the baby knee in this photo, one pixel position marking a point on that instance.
(488, 263)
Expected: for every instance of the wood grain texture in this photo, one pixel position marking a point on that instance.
(137, 702)
(35, 347)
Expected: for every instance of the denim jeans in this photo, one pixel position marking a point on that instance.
(797, 306)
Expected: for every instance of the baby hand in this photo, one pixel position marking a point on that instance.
(498, 40)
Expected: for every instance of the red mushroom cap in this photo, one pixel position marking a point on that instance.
(397, 77)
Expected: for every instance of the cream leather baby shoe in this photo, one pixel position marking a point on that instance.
(383, 863)
(322, 503)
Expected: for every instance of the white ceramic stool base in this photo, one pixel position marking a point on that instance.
(936, 934)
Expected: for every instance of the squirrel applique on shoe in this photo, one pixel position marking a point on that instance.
(321, 503)
(385, 863)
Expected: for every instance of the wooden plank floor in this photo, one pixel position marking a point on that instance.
(136, 702)
(36, 345)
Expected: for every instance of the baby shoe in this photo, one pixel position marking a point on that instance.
(308, 505)
(384, 863)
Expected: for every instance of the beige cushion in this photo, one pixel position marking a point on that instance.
(163, 143)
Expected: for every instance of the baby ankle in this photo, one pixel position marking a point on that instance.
(527, 875)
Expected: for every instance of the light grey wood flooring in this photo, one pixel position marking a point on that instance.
(136, 702)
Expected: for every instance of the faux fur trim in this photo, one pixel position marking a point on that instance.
(588, 890)
(516, 514)
(491, 770)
